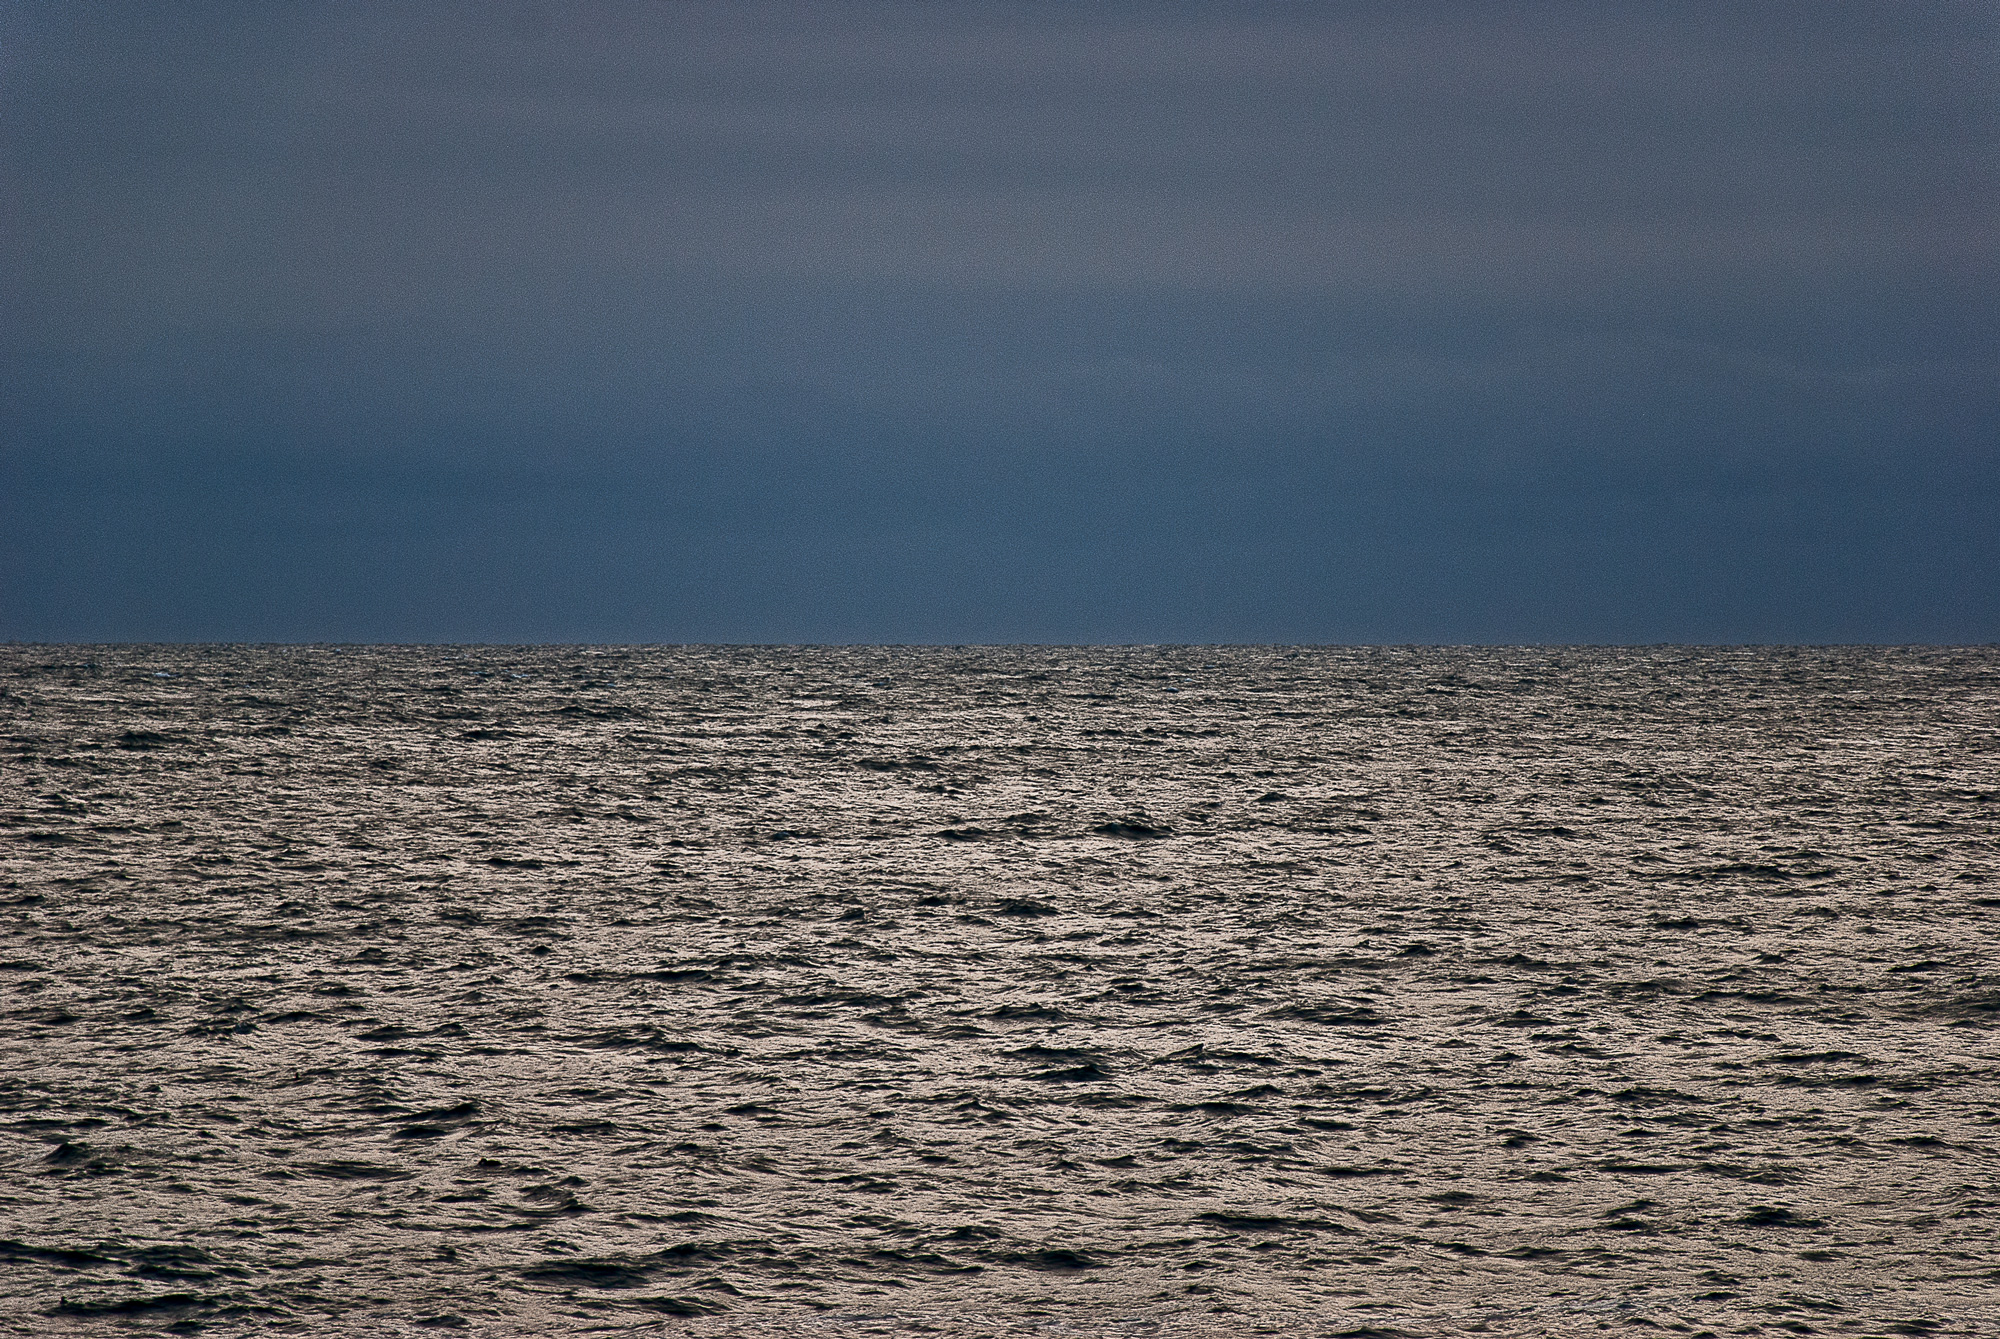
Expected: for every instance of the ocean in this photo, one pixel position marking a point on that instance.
(1147, 991)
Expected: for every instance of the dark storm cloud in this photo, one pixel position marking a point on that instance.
(802, 321)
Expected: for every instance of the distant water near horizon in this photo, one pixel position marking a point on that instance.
(1138, 991)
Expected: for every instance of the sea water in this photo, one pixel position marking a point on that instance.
(976, 991)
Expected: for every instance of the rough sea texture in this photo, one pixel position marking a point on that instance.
(1129, 991)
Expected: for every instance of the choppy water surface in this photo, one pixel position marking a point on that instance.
(968, 992)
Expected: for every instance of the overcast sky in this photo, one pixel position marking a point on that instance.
(690, 321)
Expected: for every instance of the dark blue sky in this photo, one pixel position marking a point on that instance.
(1000, 322)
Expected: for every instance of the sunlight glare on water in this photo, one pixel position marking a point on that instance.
(1147, 991)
